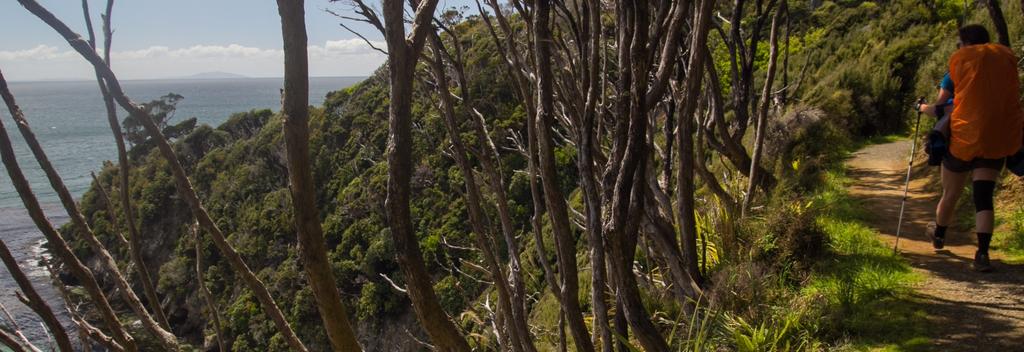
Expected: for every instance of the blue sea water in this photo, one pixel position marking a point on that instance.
(69, 119)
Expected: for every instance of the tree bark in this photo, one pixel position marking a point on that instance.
(626, 207)
(684, 139)
(167, 339)
(588, 143)
(295, 111)
(996, 13)
(60, 246)
(135, 242)
(763, 112)
(36, 302)
(183, 185)
(474, 205)
(403, 53)
(565, 242)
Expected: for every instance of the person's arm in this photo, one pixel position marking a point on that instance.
(943, 97)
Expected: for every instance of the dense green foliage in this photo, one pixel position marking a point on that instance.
(806, 276)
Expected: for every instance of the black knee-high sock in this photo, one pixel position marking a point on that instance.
(940, 231)
(983, 241)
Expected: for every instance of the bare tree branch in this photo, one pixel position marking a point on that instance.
(183, 184)
(34, 300)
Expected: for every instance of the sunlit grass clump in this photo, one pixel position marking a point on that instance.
(865, 289)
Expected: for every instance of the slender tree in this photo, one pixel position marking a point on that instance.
(588, 148)
(487, 153)
(54, 238)
(686, 171)
(565, 242)
(166, 338)
(762, 116)
(35, 301)
(295, 109)
(183, 185)
(742, 57)
(135, 241)
(474, 205)
(996, 13)
(403, 54)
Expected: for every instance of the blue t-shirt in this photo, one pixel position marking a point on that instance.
(947, 83)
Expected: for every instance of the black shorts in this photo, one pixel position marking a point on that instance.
(956, 165)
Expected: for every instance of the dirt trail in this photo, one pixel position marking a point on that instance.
(968, 311)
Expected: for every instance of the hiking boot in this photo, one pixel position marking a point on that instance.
(937, 242)
(981, 263)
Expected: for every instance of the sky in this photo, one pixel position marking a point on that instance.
(172, 39)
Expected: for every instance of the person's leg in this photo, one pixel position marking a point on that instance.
(952, 186)
(983, 188)
(954, 174)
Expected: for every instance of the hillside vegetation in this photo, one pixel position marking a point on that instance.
(801, 273)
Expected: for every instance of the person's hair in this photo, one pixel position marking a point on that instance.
(973, 34)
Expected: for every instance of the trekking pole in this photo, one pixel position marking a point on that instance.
(910, 166)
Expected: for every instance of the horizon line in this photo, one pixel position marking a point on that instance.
(183, 78)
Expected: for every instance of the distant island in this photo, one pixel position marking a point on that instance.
(214, 75)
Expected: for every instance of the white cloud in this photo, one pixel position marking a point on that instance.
(41, 52)
(196, 52)
(333, 57)
(354, 46)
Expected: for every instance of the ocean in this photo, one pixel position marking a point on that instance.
(69, 119)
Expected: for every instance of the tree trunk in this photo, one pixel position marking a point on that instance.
(784, 94)
(627, 196)
(565, 242)
(517, 69)
(166, 339)
(487, 152)
(996, 13)
(685, 178)
(403, 53)
(763, 112)
(295, 111)
(588, 143)
(36, 302)
(135, 242)
(54, 238)
(474, 204)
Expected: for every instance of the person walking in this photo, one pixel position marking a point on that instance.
(986, 127)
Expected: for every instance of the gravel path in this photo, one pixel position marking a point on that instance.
(968, 311)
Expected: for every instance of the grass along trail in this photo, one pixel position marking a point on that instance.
(967, 311)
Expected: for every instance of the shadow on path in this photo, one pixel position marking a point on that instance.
(967, 311)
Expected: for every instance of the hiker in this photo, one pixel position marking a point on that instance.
(937, 140)
(985, 127)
